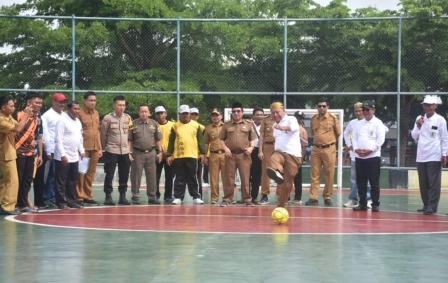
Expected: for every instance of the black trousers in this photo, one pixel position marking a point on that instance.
(255, 174)
(110, 163)
(199, 176)
(298, 185)
(368, 170)
(185, 170)
(205, 174)
(430, 181)
(39, 184)
(168, 179)
(25, 170)
(65, 178)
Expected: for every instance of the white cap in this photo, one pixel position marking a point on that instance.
(432, 99)
(159, 109)
(184, 108)
(194, 110)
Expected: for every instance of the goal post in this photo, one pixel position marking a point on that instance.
(339, 113)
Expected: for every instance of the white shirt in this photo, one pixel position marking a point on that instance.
(348, 135)
(431, 138)
(257, 130)
(68, 139)
(289, 141)
(369, 135)
(49, 121)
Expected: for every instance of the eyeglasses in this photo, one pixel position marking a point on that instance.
(236, 111)
(322, 106)
(365, 110)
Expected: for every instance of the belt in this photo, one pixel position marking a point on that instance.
(269, 142)
(237, 151)
(144, 150)
(216, 151)
(323, 145)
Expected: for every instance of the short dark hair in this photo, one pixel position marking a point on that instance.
(323, 99)
(256, 109)
(89, 93)
(71, 103)
(5, 100)
(143, 105)
(32, 95)
(119, 98)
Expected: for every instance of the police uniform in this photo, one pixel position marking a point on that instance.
(216, 160)
(114, 139)
(325, 132)
(144, 137)
(267, 133)
(237, 137)
(9, 181)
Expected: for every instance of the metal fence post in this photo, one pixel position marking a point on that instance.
(285, 60)
(400, 26)
(73, 57)
(178, 67)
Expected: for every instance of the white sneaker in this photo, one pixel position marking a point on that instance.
(198, 201)
(369, 203)
(206, 185)
(177, 201)
(351, 204)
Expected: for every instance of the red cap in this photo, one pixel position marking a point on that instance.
(59, 97)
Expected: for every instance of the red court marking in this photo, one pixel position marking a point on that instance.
(238, 219)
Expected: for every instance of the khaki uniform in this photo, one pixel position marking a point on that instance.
(144, 137)
(216, 160)
(267, 132)
(9, 181)
(90, 121)
(237, 137)
(325, 132)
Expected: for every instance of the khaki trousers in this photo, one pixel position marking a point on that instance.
(85, 181)
(242, 162)
(288, 165)
(146, 161)
(216, 164)
(9, 185)
(325, 157)
(268, 149)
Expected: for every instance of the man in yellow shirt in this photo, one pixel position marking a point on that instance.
(184, 147)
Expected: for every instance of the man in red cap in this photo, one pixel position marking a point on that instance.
(49, 121)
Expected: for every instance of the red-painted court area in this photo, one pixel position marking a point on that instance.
(239, 219)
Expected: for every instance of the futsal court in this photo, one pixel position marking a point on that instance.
(208, 243)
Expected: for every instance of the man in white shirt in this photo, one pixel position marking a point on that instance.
(49, 121)
(255, 168)
(431, 136)
(287, 156)
(368, 137)
(68, 148)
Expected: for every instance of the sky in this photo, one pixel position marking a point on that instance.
(353, 4)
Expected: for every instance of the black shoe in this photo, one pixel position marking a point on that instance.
(361, 208)
(168, 200)
(429, 211)
(75, 205)
(51, 205)
(123, 200)
(90, 202)
(421, 209)
(249, 204)
(63, 206)
(375, 208)
(153, 201)
(255, 201)
(264, 200)
(109, 201)
(275, 175)
(136, 201)
(14, 212)
(328, 202)
(313, 202)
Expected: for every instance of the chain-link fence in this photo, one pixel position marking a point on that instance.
(210, 63)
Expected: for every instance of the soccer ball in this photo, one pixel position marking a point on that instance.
(280, 215)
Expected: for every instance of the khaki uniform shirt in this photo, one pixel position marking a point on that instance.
(90, 121)
(144, 135)
(7, 138)
(237, 136)
(326, 130)
(114, 133)
(211, 137)
(267, 129)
